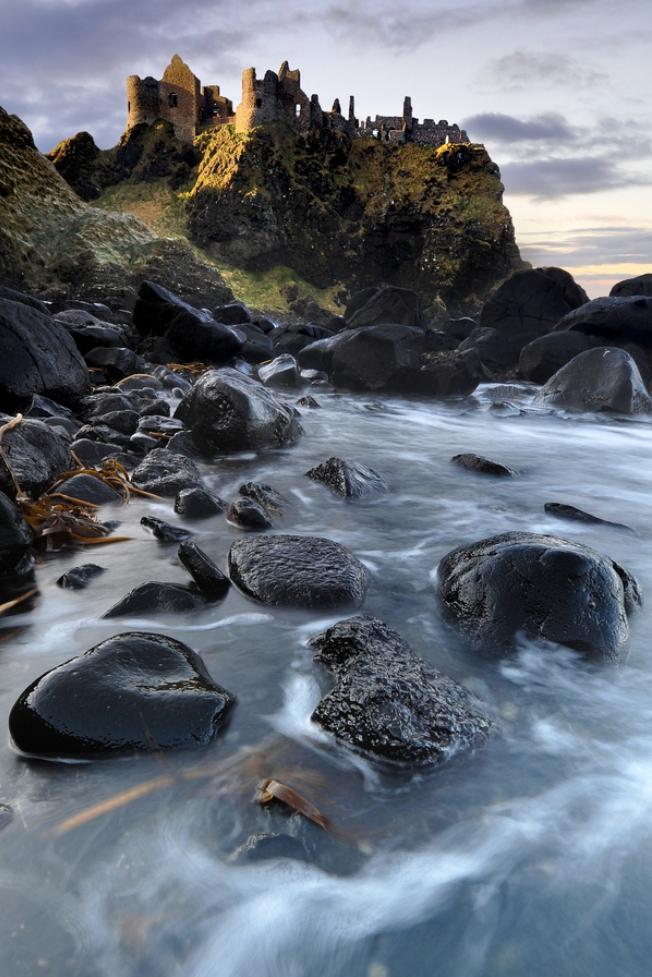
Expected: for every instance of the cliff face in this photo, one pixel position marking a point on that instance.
(54, 244)
(358, 211)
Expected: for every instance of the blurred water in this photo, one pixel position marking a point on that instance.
(531, 856)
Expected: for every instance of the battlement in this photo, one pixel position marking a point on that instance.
(179, 98)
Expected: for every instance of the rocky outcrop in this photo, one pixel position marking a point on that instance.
(354, 211)
(55, 245)
(134, 691)
(542, 587)
(390, 704)
(348, 478)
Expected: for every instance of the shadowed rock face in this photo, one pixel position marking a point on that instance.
(120, 696)
(390, 703)
(601, 379)
(348, 478)
(229, 411)
(299, 571)
(38, 357)
(542, 586)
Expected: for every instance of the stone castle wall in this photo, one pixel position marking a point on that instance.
(179, 98)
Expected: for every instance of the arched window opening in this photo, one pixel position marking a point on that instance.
(172, 100)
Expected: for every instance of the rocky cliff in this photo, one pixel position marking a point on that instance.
(333, 212)
(54, 244)
(355, 211)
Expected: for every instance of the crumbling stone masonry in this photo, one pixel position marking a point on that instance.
(179, 98)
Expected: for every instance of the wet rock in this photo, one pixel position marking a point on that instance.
(207, 576)
(88, 488)
(93, 453)
(640, 285)
(38, 356)
(261, 846)
(232, 412)
(79, 577)
(126, 693)
(166, 472)
(543, 587)
(153, 597)
(299, 571)
(448, 374)
(248, 514)
(562, 511)
(265, 495)
(117, 362)
(163, 531)
(15, 540)
(389, 702)
(615, 320)
(378, 357)
(292, 337)
(308, 402)
(601, 379)
(233, 314)
(476, 463)
(192, 334)
(348, 478)
(541, 358)
(281, 373)
(397, 306)
(198, 503)
(530, 304)
(37, 455)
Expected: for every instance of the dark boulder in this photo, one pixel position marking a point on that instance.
(134, 691)
(543, 587)
(192, 333)
(347, 478)
(600, 379)
(374, 358)
(640, 285)
(208, 578)
(476, 463)
(525, 306)
(154, 597)
(116, 362)
(248, 514)
(299, 571)
(389, 702)
(391, 305)
(229, 411)
(38, 357)
(292, 337)
(88, 488)
(15, 540)
(79, 577)
(541, 358)
(616, 320)
(447, 374)
(163, 531)
(233, 314)
(165, 472)
(281, 373)
(198, 503)
(36, 454)
(562, 511)
(266, 495)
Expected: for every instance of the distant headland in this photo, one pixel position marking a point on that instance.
(180, 98)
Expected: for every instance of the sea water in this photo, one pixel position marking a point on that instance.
(531, 855)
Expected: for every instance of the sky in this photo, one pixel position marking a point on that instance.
(557, 90)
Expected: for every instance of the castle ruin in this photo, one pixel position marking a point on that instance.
(180, 99)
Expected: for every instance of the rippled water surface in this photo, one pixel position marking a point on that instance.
(530, 857)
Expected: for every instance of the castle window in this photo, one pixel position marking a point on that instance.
(172, 100)
(259, 103)
(297, 110)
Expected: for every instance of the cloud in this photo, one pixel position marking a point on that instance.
(547, 127)
(524, 70)
(555, 178)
